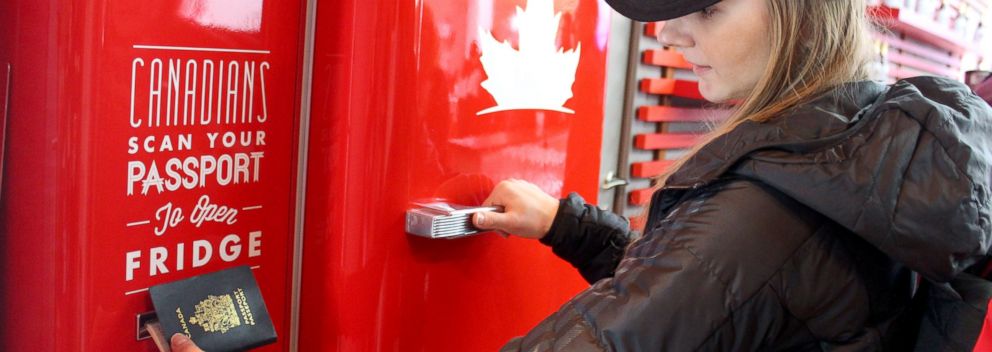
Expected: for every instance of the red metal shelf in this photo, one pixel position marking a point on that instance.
(650, 169)
(929, 53)
(666, 140)
(673, 114)
(641, 196)
(665, 58)
(901, 72)
(922, 28)
(922, 65)
(651, 29)
(676, 87)
(637, 223)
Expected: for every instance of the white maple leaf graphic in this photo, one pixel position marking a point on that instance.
(540, 75)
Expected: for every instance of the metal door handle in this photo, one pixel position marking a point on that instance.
(443, 220)
(612, 181)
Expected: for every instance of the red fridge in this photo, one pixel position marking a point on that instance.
(148, 142)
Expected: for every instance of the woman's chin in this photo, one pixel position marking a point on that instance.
(712, 96)
(717, 96)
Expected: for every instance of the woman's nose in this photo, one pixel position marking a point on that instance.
(674, 35)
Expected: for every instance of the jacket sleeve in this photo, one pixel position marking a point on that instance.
(591, 239)
(699, 281)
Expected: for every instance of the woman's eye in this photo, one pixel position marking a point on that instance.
(707, 12)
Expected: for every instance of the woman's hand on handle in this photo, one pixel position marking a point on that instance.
(527, 211)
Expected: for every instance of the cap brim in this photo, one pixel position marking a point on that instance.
(657, 10)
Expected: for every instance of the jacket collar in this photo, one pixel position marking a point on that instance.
(808, 127)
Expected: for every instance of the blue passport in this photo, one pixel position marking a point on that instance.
(219, 311)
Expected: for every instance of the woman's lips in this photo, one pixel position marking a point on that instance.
(699, 70)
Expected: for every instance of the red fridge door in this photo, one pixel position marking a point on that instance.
(4, 90)
(149, 141)
(442, 99)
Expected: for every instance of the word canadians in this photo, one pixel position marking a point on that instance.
(188, 92)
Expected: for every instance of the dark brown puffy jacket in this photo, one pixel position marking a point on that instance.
(803, 233)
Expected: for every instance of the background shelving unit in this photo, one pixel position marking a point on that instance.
(915, 37)
(930, 37)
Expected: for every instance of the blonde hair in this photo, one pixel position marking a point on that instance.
(816, 45)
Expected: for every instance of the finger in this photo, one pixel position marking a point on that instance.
(495, 197)
(490, 201)
(181, 343)
(489, 221)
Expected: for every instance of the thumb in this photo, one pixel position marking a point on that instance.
(489, 220)
(181, 343)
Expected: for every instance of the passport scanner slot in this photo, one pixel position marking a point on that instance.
(142, 319)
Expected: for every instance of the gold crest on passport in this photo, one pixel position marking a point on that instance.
(216, 314)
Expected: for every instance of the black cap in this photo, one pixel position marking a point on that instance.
(658, 10)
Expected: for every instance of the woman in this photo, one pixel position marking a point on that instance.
(801, 222)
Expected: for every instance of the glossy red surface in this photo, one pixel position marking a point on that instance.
(396, 90)
(70, 226)
(4, 85)
(397, 86)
